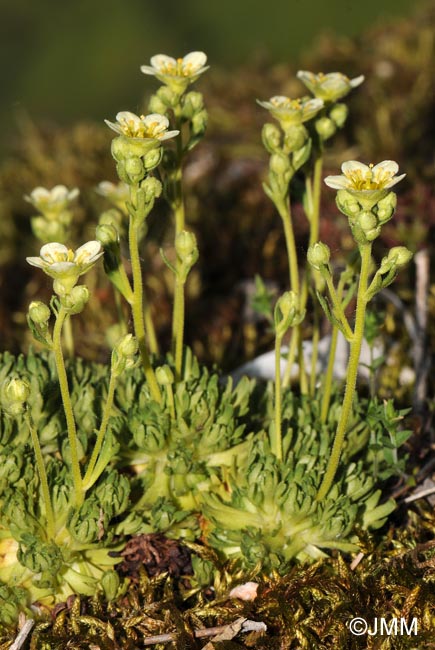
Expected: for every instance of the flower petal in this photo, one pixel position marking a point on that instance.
(337, 182)
(356, 81)
(36, 261)
(386, 166)
(394, 180)
(53, 250)
(87, 253)
(147, 69)
(195, 60)
(61, 268)
(169, 134)
(161, 61)
(158, 122)
(351, 166)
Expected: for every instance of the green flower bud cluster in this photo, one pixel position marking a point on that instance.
(289, 149)
(135, 158)
(367, 212)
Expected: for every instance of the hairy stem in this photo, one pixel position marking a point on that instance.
(352, 371)
(67, 405)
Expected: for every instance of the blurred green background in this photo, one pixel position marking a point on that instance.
(75, 59)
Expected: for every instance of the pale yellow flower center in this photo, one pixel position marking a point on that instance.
(138, 129)
(293, 104)
(58, 256)
(178, 69)
(369, 180)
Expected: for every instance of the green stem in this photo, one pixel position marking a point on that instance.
(137, 308)
(178, 328)
(317, 188)
(102, 431)
(121, 317)
(150, 329)
(68, 338)
(290, 357)
(314, 349)
(352, 371)
(277, 437)
(67, 405)
(284, 210)
(339, 313)
(179, 208)
(327, 388)
(43, 478)
(303, 381)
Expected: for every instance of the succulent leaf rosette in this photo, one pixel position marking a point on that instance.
(179, 73)
(270, 516)
(181, 458)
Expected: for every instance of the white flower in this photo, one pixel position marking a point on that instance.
(143, 127)
(361, 178)
(54, 200)
(330, 87)
(177, 73)
(118, 194)
(65, 265)
(292, 111)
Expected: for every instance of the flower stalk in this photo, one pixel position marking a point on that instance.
(67, 405)
(352, 372)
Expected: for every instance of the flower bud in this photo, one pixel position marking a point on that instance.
(153, 158)
(193, 103)
(347, 203)
(75, 301)
(107, 234)
(287, 313)
(199, 122)
(400, 255)
(39, 313)
(134, 168)
(167, 96)
(295, 137)
(338, 114)
(156, 105)
(385, 207)
(164, 375)
(279, 164)
(271, 136)
(113, 217)
(318, 255)
(14, 394)
(325, 127)
(152, 188)
(186, 247)
(367, 220)
(123, 354)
